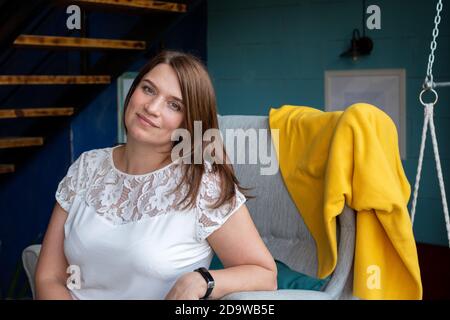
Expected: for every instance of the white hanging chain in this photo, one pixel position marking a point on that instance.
(429, 81)
(428, 120)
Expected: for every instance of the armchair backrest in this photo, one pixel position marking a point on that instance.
(273, 211)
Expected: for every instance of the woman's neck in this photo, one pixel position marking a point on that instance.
(139, 159)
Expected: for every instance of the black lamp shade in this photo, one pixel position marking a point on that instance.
(358, 46)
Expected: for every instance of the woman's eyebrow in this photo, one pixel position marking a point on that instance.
(154, 85)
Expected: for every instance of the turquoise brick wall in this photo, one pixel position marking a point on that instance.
(267, 53)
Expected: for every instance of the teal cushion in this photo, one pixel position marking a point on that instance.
(286, 278)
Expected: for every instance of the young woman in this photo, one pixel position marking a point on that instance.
(133, 224)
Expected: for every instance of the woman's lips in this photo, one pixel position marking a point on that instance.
(146, 121)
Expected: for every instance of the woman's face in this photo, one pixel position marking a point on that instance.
(156, 108)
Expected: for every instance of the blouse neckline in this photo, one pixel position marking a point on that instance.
(111, 161)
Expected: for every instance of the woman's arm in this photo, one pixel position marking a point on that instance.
(248, 264)
(51, 276)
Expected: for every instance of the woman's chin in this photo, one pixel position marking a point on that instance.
(144, 138)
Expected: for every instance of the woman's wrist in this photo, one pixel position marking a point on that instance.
(200, 282)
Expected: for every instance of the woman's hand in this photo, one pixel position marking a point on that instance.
(190, 286)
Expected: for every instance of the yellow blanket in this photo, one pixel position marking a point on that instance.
(328, 159)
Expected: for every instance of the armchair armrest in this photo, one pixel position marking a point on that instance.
(283, 294)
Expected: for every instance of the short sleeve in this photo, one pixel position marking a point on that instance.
(69, 186)
(209, 219)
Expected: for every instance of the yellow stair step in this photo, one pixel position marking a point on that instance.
(35, 41)
(136, 4)
(6, 168)
(18, 142)
(35, 112)
(53, 79)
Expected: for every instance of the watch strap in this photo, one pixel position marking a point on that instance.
(209, 280)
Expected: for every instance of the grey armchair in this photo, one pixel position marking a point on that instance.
(281, 226)
(278, 222)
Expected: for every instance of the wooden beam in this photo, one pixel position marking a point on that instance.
(16, 79)
(35, 112)
(18, 142)
(6, 168)
(32, 41)
(137, 4)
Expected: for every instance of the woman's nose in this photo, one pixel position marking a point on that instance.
(154, 107)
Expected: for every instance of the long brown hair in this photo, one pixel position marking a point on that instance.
(200, 101)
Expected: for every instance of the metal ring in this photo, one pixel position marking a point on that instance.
(435, 95)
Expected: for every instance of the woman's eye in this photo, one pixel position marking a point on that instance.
(148, 90)
(175, 106)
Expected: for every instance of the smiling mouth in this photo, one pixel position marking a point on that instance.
(146, 121)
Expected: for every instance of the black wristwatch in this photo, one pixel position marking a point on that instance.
(209, 280)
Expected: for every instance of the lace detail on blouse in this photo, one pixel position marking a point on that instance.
(122, 198)
(65, 193)
(211, 219)
(75, 181)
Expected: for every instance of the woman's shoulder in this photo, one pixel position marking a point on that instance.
(90, 160)
(211, 184)
(94, 155)
(210, 177)
(98, 152)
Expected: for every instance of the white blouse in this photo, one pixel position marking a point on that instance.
(126, 236)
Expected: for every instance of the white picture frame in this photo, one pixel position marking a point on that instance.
(124, 83)
(384, 88)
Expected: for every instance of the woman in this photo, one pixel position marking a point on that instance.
(133, 224)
